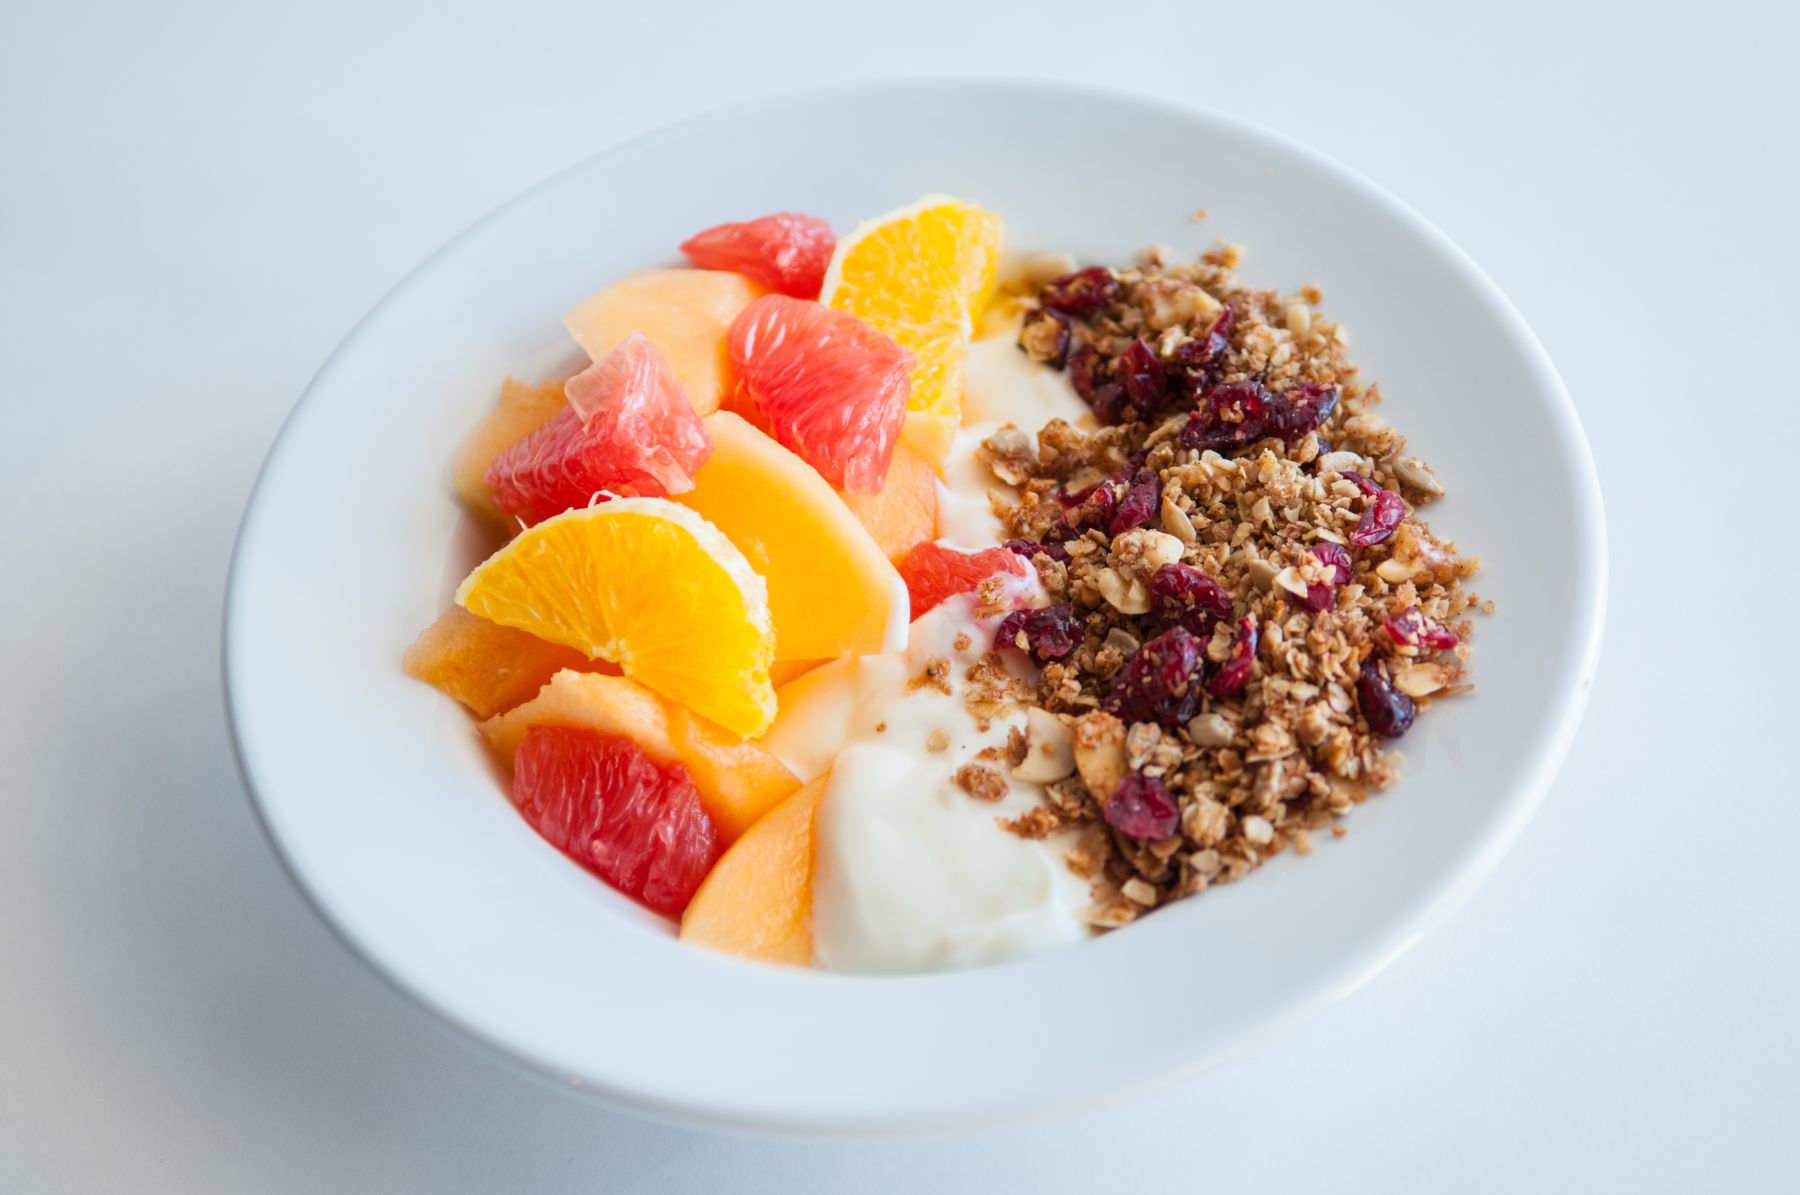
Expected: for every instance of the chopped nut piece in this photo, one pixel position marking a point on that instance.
(1167, 302)
(1122, 641)
(1138, 892)
(1206, 821)
(1045, 338)
(1211, 730)
(1422, 680)
(1416, 473)
(1049, 749)
(1125, 596)
(1290, 579)
(1099, 750)
(1342, 462)
(1140, 740)
(1176, 522)
(938, 740)
(1394, 570)
(1258, 830)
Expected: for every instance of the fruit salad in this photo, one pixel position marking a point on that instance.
(892, 602)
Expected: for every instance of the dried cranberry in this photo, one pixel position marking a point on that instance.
(1080, 293)
(1190, 598)
(1093, 507)
(1142, 807)
(1086, 371)
(1379, 518)
(1234, 414)
(1140, 371)
(1234, 673)
(1051, 632)
(1363, 485)
(1110, 403)
(1160, 683)
(1300, 409)
(1031, 547)
(1143, 498)
(1410, 628)
(1320, 594)
(1388, 711)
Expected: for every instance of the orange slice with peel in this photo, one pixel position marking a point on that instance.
(650, 586)
(922, 274)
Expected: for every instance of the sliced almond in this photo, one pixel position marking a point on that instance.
(1210, 730)
(1099, 750)
(1290, 579)
(1176, 522)
(1049, 749)
(1422, 680)
(1343, 462)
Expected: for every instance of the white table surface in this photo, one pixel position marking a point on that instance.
(197, 202)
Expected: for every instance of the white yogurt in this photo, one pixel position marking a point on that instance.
(914, 873)
(965, 513)
(1001, 385)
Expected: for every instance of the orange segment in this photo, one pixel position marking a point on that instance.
(683, 312)
(922, 274)
(903, 513)
(484, 665)
(651, 586)
(832, 592)
(738, 781)
(757, 901)
(522, 409)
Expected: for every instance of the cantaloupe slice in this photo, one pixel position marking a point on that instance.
(903, 513)
(832, 591)
(757, 900)
(683, 312)
(783, 671)
(486, 666)
(522, 409)
(738, 781)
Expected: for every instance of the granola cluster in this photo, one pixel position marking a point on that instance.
(1258, 609)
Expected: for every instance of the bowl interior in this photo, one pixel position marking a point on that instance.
(379, 798)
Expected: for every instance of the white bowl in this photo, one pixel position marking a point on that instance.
(379, 799)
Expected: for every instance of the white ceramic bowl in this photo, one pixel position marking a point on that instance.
(379, 799)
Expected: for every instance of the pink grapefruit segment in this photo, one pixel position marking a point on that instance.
(786, 252)
(933, 572)
(832, 388)
(627, 429)
(603, 802)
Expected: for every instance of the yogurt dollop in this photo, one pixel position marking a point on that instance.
(914, 873)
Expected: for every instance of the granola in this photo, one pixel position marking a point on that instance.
(1259, 608)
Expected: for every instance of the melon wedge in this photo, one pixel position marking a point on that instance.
(903, 513)
(486, 666)
(832, 590)
(522, 409)
(757, 900)
(684, 313)
(738, 781)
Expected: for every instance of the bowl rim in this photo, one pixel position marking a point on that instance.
(1433, 905)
